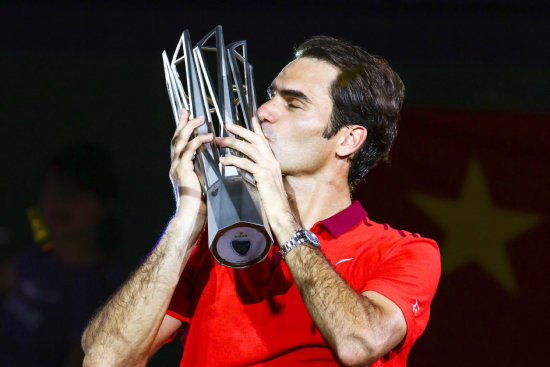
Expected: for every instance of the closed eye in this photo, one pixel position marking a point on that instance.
(293, 105)
(290, 95)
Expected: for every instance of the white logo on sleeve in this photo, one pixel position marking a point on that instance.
(344, 260)
(416, 307)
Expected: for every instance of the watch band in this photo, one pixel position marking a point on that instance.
(302, 236)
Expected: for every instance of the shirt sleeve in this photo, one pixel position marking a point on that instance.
(181, 299)
(408, 275)
(180, 304)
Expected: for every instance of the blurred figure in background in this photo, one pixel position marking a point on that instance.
(59, 284)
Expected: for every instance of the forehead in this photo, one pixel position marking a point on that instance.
(310, 76)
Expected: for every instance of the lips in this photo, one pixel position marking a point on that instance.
(269, 137)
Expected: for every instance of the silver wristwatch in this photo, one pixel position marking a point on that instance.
(303, 236)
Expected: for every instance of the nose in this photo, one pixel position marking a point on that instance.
(267, 112)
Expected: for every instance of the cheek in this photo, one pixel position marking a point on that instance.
(302, 130)
(309, 136)
(57, 212)
(303, 152)
(299, 138)
(79, 214)
(49, 205)
(87, 210)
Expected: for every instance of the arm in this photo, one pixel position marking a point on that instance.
(126, 330)
(360, 328)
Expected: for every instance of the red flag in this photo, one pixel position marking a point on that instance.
(477, 182)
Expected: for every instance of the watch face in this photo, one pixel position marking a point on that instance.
(312, 238)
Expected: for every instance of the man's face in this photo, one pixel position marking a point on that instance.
(296, 115)
(70, 211)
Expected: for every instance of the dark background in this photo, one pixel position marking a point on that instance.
(82, 70)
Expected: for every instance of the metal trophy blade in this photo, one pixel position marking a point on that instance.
(238, 231)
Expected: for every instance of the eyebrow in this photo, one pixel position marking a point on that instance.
(289, 93)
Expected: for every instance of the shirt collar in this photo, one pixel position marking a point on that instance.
(345, 220)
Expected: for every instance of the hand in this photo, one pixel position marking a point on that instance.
(187, 189)
(261, 163)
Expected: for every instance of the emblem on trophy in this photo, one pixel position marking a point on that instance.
(238, 231)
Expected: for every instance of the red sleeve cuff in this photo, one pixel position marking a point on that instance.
(393, 295)
(178, 316)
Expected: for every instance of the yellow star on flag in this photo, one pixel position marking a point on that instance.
(475, 229)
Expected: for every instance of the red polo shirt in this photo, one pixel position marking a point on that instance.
(255, 316)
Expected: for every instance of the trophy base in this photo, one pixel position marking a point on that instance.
(237, 226)
(241, 245)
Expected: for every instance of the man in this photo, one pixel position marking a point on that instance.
(360, 298)
(58, 285)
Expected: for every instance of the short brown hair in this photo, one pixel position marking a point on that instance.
(367, 92)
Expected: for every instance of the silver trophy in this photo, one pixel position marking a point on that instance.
(238, 231)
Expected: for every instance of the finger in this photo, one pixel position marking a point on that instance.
(239, 162)
(189, 151)
(183, 132)
(189, 126)
(185, 156)
(183, 120)
(241, 132)
(241, 146)
(184, 117)
(183, 145)
(256, 127)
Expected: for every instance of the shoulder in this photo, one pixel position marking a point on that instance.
(396, 256)
(388, 240)
(371, 249)
(376, 240)
(398, 248)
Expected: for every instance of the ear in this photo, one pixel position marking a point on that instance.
(350, 140)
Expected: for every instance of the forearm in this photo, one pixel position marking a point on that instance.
(337, 310)
(351, 325)
(124, 329)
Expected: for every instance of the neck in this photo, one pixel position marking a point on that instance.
(315, 199)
